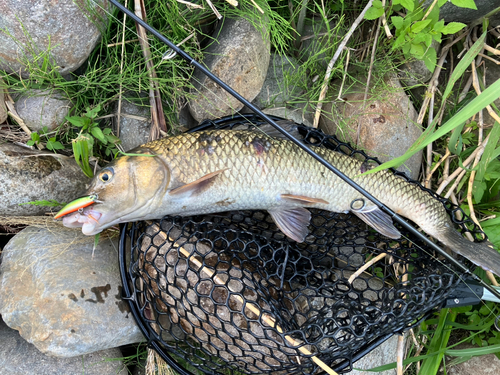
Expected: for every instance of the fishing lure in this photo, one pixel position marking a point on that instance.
(76, 205)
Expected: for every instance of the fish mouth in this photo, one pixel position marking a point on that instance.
(89, 219)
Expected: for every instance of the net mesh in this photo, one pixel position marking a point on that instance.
(229, 293)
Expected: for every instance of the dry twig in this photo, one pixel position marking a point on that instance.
(365, 266)
(329, 69)
(157, 116)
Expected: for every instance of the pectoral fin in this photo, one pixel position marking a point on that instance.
(198, 186)
(292, 222)
(378, 220)
(302, 199)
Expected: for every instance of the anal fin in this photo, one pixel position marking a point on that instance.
(198, 186)
(292, 222)
(378, 220)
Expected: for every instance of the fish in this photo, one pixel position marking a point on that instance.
(225, 170)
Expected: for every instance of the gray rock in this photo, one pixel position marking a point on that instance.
(299, 114)
(415, 71)
(135, 125)
(28, 175)
(69, 29)
(18, 357)
(387, 123)
(452, 13)
(39, 108)
(381, 355)
(59, 297)
(185, 119)
(277, 89)
(480, 365)
(240, 57)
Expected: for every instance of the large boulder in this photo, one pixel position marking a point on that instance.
(386, 123)
(66, 31)
(240, 57)
(31, 175)
(61, 296)
(17, 356)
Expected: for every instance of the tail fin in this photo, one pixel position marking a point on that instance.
(478, 253)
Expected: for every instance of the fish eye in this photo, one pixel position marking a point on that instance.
(106, 175)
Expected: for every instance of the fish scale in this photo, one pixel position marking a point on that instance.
(222, 170)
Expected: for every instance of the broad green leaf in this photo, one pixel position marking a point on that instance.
(373, 13)
(493, 233)
(52, 145)
(399, 41)
(419, 38)
(434, 15)
(428, 40)
(438, 26)
(420, 25)
(417, 50)
(96, 132)
(453, 27)
(415, 16)
(78, 121)
(406, 48)
(464, 4)
(430, 59)
(397, 22)
(92, 113)
(437, 37)
(478, 103)
(408, 4)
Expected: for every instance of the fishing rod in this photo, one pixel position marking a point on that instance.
(303, 146)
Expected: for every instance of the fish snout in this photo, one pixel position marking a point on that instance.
(87, 219)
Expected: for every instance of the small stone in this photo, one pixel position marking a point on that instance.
(240, 58)
(17, 356)
(135, 125)
(387, 122)
(30, 175)
(43, 108)
(60, 298)
(65, 31)
(277, 89)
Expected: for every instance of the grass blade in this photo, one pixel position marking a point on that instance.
(487, 97)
